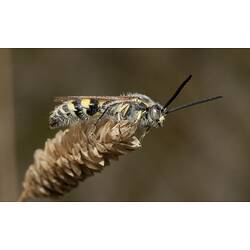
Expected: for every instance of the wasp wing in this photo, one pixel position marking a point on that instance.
(60, 99)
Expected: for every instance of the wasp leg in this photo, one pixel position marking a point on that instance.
(145, 132)
(139, 116)
(93, 126)
(107, 110)
(120, 133)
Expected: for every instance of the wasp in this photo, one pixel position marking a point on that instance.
(132, 107)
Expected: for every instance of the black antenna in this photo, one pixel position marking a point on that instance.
(192, 104)
(177, 92)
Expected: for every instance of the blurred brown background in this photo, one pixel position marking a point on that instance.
(202, 154)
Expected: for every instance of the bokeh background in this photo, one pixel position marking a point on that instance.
(202, 154)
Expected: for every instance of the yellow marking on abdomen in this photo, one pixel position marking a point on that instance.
(101, 102)
(71, 106)
(85, 102)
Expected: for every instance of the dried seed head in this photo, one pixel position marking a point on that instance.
(76, 153)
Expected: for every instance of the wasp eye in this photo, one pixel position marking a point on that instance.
(155, 113)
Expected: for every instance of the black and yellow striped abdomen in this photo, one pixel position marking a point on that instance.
(72, 111)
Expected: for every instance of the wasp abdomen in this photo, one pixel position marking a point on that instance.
(65, 114)
(79, 110)
(93, 107)
(73, 111)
